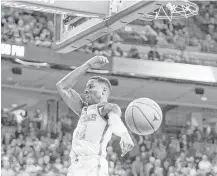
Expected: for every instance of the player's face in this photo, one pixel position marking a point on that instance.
(93, 92)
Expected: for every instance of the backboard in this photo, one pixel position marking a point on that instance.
(96, 8)
(79, 31)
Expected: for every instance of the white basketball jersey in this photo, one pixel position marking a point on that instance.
(92, 133)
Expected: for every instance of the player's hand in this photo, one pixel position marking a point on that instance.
(97, 61)
(126, 144)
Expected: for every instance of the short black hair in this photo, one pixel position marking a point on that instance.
(101, 79)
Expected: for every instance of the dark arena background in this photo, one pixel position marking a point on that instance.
(167, 53)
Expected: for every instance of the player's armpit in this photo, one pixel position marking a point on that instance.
(106, 108)
(72, 99)
(112, 114)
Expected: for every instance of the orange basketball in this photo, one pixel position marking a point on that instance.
(143, 116)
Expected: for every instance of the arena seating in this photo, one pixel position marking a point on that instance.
(28, 148)
(22, 27)
(198, 34)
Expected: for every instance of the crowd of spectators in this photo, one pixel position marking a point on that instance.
(29, 147)
(194, 34)
(198, 33)
(152, 54)
(22, 26)
(192, 152)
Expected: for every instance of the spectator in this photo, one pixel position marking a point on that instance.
(198, 134)
(161, 40)
(206, 129)
(137, 167)
(160, 151)
(149, 166)
(191, 150)
(37, 119)
(214, 166)
(6, 169)
(117, 51)
(19, 116)
(158, 170)
(204, 165)
(191, 169)
(134, 53)
(153, 54)
(166, 165)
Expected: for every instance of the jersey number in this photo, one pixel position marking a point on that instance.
(81, 132)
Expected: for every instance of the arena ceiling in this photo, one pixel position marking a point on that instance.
(35, 85)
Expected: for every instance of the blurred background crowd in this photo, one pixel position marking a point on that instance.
(198, 33)
(34, 145)
(23, 27)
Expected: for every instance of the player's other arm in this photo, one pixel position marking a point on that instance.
(113, 113)
(65, 88)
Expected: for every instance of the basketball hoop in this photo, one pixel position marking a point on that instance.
(173, 10)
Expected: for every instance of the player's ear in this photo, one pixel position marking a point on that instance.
(104, 91)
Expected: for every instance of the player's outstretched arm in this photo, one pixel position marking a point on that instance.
(118, 128)
(65, 88)
(66, 84)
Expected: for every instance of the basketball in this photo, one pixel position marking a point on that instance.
(143, 116)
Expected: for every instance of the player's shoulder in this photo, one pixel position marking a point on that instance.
(84, 104)
(106, 108)
(110, 107)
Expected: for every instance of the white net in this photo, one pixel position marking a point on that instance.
(170, 11)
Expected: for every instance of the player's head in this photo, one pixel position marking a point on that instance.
(97, 90)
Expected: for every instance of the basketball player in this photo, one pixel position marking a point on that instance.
(98, 120)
